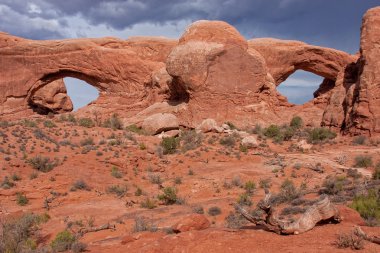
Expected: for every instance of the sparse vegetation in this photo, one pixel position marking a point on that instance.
(368, 205)
(118, 190)
(86, 122)
(363, 161)
(21, 199)
(320, 134)
(169, 196)
(115, 172)
(43, 164)
(349, 240)
(169, 145)
(113, 122)
(63, 241)
(296, 122)
(214, 211)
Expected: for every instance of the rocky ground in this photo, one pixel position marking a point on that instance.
(116, 189)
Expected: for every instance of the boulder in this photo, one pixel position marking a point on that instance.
(160, 122)
(191, 222)
(209, 125)
(249, 142)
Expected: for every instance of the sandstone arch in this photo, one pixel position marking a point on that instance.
(284, 57)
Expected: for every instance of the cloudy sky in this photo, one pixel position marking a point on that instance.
(330, 23)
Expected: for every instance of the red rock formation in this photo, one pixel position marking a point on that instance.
(52, 98)
(364, 110)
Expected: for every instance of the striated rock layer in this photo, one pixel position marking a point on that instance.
(211, 72)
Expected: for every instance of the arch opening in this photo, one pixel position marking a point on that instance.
(62, 92)
(302, 86)
(80, 92)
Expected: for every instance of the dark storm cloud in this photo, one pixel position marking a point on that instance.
(332, 23)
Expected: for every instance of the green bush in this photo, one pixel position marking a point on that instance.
(228, 141)
(21, 199)
(49, 124)
(148, 203)
(250, 187)
(296, 122)
(368, 206)
(115, 172)
(214, 211)
(190, 140)
(272, 131)
(42, 163)
(118, 190)
(170, 145)
(288, 133)
(363, 161)
(135, 129)
(63, 241)
(86, 122)
(320, 134)
(169, 196)
(245, 199)
(80, 185)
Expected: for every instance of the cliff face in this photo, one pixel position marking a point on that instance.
(212, 71)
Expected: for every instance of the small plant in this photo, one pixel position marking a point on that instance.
(118, 190)
(80, 185)
(349, 241)
(42, 163)
(245, 199)
(169, 196)
(63, 241)
(265, 183)
(6, 183)
(16, 177)
(368, 206)
(33, 175)
(138, 192)
(178, 180)
(296, 122)
(49, 124)
(135, 129)
(250, 187)
(21, 199)
(169, 145)
(155, 179)
(359, 140)
(198, 209)
(142, 224)
(231, 125)
(376, 173)
(115, 172)
(86, 122)
(214, 211)
(363, 161)
(114, 122)
(228, 141)
(320, 134)
(190, 172)
(190, 140)
(87, 142)
(235, 220)
(148, 203)
(272, 131)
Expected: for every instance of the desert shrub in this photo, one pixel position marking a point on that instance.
(178, 180)
(142, 224)
(169, 196)
(320, 134)
(349, 241)
(169, 145)
(235, 220)
(41, 163)
(236, 181)
(333, 185)
(113, 122)
(228, 141)
(155, 179)
(6, 183)
(87, 142)
(250, 187)
(214, 211)
(190, 140)
(80, 185)
(63, 241)
(16, 234)
(135, 129)
(257, 129)
(198, 209)
(296, 122)
(363, 161)
(138, 191)
(272, 131)
(21, 199)
(86, 122)
(29, 123)
(376, 173)
(49, 124)
(4, 124)
(148, 203)
(288, 133)
(359, 140)
(115, 172)
(265, 183)
(289, 190)
(368, 206)
(245, 200)
(117, 190)
(77, 247)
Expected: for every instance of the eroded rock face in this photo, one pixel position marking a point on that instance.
(364, 116)
(210, 72)
(52, 98)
